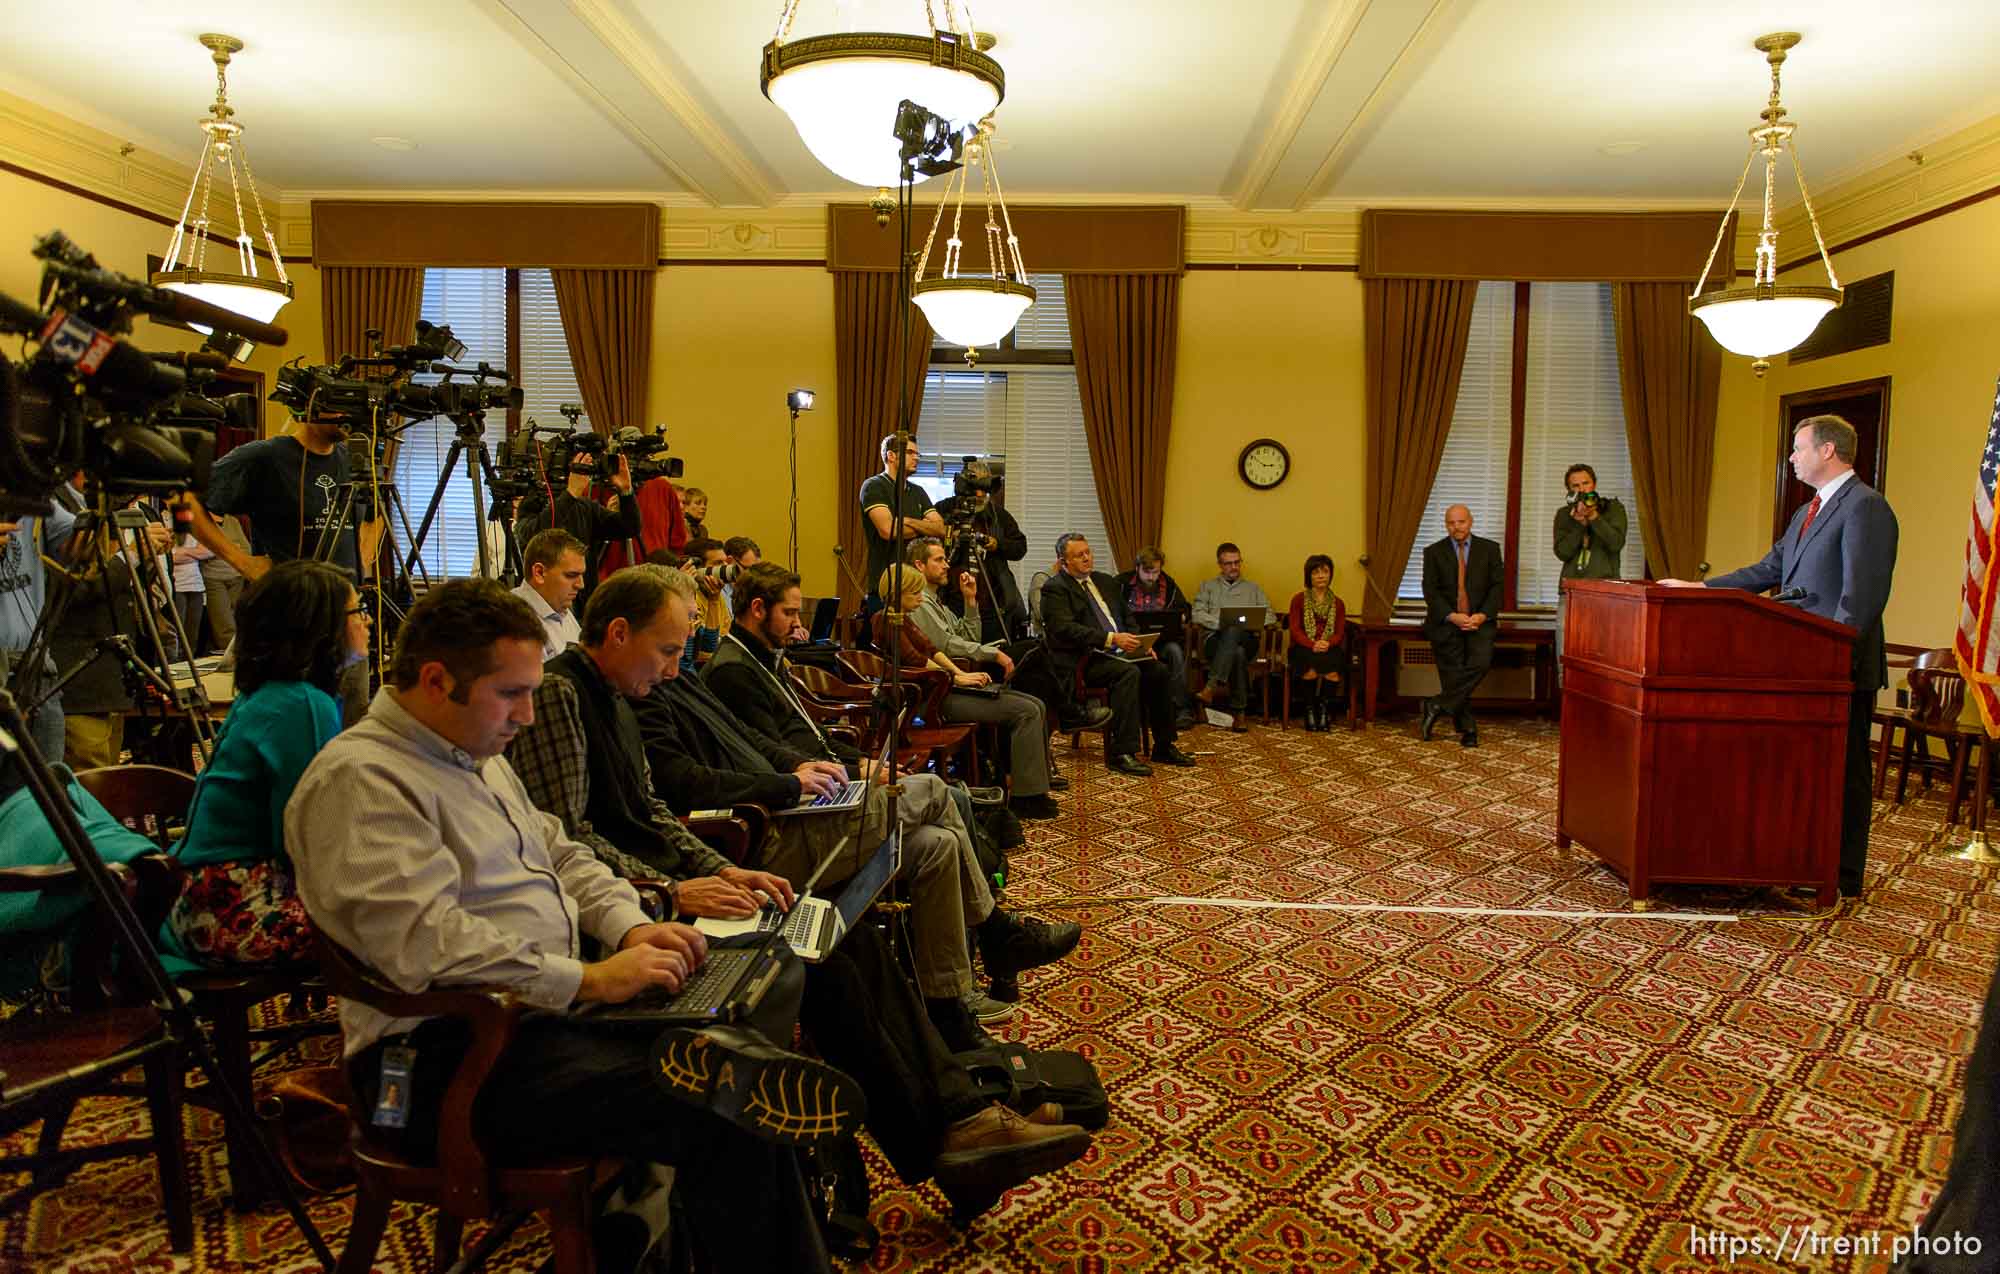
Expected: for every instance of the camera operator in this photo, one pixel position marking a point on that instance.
(978, 521)
(595, 524)
(286, 486)
(1589, 536)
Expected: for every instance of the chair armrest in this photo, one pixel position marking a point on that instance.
(493, 1015)
(735, 835)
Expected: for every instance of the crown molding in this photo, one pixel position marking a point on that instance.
(1949, 171)
(62, 149)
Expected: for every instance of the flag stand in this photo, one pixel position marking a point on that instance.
(1975, 850)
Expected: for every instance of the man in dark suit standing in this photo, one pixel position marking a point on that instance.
(1839, 551)
(1084, 622)
(1462, 577)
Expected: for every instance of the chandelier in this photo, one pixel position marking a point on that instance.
(1767, 318)
(842, 91)
(186, 266)
(974, 309)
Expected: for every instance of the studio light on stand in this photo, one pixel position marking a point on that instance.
(838, 88)
(796, 401)
(185, 268)
(971, 310)
(1765, 318)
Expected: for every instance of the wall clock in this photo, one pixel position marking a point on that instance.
(1264, 463)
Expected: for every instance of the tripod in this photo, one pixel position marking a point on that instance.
(143, 576)
(17, 743)
(469, 441)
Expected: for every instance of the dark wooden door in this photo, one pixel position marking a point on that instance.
(1861, 403)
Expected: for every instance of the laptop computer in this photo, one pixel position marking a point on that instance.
(825, 613)
(846, 797)
(1167, 623)
(815, 925)
(728, 987)
(1239, 617)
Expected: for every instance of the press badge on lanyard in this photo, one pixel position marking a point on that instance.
(392, 1101)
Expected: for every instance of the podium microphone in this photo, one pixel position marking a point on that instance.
(1790, 595)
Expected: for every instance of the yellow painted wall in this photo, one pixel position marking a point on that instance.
(1268, 354)
(1942, 361)
(728, 342)
(121, 241)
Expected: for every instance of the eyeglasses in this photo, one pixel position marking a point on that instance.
(358, 610)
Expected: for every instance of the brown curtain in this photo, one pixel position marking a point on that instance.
(1416, 332)
(607, 319)
(871, 376)
(1670, 373)
(354, 298)
(1125, 332)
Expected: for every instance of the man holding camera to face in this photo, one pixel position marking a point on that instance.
(1589, 536)
(583, 517)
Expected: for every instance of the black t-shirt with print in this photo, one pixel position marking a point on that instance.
(268, 481)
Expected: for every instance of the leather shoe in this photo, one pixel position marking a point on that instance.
(1034, 807)
(1209, 693)
(1168, 754)
(995, 1150)
(1431, 714)
(1237, 725)
(1058, 783)
(1126, 763)
(1470, 739)
(761, 1088)
(1009, 943)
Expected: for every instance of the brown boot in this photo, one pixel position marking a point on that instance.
(995, 1150)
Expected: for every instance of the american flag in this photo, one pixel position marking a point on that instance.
(1978, 641)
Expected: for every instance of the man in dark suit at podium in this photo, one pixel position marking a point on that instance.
(1835, 560)
(1084, 621)
(1462, 579)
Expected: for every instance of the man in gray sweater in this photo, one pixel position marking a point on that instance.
(1231, 649)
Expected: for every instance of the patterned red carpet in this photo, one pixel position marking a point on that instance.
(1405, 1057)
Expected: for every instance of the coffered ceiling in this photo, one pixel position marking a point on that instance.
(1252, 104)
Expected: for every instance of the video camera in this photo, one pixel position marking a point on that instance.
(962, 525)
(135, 421)
(1588, 499)
(645, 453)
(331, 394)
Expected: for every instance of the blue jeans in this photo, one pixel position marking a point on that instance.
(1229, 654)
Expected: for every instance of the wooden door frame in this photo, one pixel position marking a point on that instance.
(1808, 398)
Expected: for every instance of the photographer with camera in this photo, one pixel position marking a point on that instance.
(1589, 536)
(597, 525)
(983, 537)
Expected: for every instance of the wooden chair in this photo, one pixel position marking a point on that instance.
(146, 797)
(1101, 694)
(1937, 701)
(1271, 652)
(49, 1062)
(463, 1184)
(736, 834)
(1889, 719)
(1283, 668)
(933, 738)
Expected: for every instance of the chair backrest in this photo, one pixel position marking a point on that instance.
(821, 684)
(866, 665)
(1937, 697)
(146, 798)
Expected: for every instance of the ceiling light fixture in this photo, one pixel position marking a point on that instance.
(1765, 318)
(186, 266)
(974, 309)
(841, 89)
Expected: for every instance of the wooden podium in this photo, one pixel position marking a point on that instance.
(1704, 734)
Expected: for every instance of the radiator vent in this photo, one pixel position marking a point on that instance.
(1861, 321)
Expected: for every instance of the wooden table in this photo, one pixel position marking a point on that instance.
(1537, 633)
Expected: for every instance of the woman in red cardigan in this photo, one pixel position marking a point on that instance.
(1319, 652)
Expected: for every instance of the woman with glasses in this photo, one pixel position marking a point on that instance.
(298, 628)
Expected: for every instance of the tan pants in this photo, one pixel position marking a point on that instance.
(947, 891)
(93, 740)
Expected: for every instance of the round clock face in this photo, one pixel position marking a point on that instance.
(1264, 463)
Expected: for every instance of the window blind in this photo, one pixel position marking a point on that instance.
(1045, 325)
(1473, 469)
(1575, 414)
(545, 375)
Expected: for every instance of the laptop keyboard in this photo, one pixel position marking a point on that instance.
(844, 796)
(709, 987)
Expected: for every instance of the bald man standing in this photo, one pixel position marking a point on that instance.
(1462, 580)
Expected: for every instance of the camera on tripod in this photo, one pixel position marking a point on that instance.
(964, 537)
(645, 453)
(331, 394)
(136, 422)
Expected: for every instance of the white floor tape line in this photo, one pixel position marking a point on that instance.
(1272, 904)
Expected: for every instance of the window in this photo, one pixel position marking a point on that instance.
(1026, 413)
(1573, 412)
(481, 307)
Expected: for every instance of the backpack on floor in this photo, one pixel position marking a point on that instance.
(1022, 1078)
(836, 1180)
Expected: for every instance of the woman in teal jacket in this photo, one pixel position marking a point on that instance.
(297, 628)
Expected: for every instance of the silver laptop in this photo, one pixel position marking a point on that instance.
(845, 797)
(815, 925)
(1251, 617)
(1145, 651)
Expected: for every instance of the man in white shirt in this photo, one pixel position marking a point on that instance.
(553, 561)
